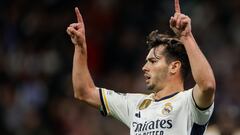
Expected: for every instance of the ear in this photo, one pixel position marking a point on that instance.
(174, 67)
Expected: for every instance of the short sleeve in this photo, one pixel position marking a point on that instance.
(199, 116)
(117, 105)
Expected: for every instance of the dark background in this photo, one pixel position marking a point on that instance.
(36, 96)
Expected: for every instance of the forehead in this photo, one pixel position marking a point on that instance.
(157, 51)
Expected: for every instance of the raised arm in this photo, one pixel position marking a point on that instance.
(204, 90)
(83, 85)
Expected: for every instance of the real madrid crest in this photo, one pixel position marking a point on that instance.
(167, 108)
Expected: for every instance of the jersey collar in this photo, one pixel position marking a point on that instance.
(166, 97)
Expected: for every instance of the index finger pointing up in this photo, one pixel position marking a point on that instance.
(177, 7)
(79, 16)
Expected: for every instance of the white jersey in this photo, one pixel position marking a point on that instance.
(176, 114)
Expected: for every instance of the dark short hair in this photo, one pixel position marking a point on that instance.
(174, 49)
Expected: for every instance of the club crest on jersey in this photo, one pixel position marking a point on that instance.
(167, 108)
(145, 104)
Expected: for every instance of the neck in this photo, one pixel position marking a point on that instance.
(170, 89)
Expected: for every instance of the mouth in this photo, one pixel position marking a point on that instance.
(147, 77)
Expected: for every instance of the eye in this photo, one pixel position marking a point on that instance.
(152, 61)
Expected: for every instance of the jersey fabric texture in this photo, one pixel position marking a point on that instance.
(176, 114)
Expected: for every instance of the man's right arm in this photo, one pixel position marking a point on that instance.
(83, 85)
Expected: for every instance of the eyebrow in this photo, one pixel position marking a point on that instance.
(154, 57)
(151, 58)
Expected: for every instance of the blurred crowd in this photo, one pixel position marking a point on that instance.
(36, 96)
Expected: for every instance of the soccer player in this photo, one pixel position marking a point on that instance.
(170, 109)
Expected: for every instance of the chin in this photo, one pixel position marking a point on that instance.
(150, 87)
(153, 88)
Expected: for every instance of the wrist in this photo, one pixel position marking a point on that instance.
(81, 49)
(80, 56)
(187, 37)
(77, 48)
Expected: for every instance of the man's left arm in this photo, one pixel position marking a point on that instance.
(204, 90)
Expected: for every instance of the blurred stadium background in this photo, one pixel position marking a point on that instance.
(36, 95)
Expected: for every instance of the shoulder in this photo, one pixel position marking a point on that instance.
(136, 95)
(127, 96)
(184, 96)
(187, 92)
(135, 98)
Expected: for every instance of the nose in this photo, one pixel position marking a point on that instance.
(144, 68)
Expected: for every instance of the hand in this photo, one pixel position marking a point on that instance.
(180, 24)
(77, 31)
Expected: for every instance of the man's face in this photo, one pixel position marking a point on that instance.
(156, 69)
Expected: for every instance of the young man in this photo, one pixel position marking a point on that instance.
(170, 109)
